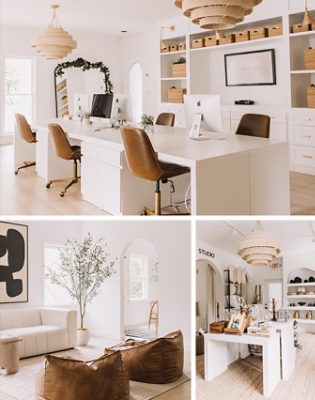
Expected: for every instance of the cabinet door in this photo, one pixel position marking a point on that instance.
(109, 188)
(90, 181)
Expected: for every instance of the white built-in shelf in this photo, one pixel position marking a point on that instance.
(236, 44)
(169, 53)
(299, 34)
(299, 308)
(174, 79)
(63, 106)
(306, 321)
(62, 90)
(301, 296)
(301, 284)
(303, 71)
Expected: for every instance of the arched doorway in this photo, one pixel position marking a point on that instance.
(135, 91)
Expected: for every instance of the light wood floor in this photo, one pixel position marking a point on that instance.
(26, 193)
(243, 379)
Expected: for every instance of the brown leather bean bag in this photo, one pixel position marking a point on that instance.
(69, 379)
(156, 361)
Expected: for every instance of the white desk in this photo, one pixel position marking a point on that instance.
(238, 176)
(216, 356)
(288, 351)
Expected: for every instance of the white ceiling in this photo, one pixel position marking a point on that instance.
(108, 16)
(292, 235)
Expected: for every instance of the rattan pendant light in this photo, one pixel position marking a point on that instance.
(307, 16)
(54, 43)
(216, 14)
(258, 247)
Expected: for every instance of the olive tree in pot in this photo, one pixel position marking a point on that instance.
(83, 267)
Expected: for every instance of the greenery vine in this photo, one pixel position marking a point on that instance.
(86, 66)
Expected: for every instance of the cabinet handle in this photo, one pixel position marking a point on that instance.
(308, 157)
(307, 119)
(307, 136)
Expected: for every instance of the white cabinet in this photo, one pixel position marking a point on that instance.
(302, 140)
(89, 179)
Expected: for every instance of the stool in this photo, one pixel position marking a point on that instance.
(9, 353)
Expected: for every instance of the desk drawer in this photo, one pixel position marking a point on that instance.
(307, 119)
(303, 156)
(110, 156)
(303, 135)
(90, 151)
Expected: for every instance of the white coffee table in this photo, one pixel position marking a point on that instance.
(9, 354)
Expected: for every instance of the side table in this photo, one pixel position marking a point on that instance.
(9, 353)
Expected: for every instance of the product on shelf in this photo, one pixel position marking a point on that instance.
(197, 43)
(275, 30)
(309, 58)
(258, 33)
(300, 28)
(242, 36)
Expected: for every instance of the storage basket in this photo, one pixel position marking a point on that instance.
(173, 47)
(258, 33)
(241, 36)
(225, 39)
(197, 43)
(178, 70)
(309, 58)
(300, 28)
(182, 46)
(311, 97)
(210, 41)
(275, 30)
(175, 95)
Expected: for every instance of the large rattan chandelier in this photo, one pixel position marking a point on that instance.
(54, 43)
(216, 14)
(258, 247)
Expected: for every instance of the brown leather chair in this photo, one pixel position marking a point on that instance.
(143, 162)
(26, 134)
(66, 151)
(165, 119)
(254, 125)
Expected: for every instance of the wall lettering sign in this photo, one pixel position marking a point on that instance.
(13, 263)
(206, 253)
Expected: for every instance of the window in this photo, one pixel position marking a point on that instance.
(54, 294)
(18, 90)
(138, 277)
(135, 90)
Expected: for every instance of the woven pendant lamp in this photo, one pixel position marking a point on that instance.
(308, 19)
(216, 14)
(258, 248)
(54, 43)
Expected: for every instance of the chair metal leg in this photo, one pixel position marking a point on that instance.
(26, 165)
(73, 181)
(157, 207)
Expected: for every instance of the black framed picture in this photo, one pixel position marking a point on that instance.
(252, 68)
(13, 263)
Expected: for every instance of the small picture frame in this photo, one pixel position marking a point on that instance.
(236, 324)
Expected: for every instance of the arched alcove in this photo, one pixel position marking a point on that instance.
(135, 91)
(140, 283)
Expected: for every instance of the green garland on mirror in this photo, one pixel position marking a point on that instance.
(86, 66)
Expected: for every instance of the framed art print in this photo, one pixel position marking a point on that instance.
(13, 263)
(253, 68)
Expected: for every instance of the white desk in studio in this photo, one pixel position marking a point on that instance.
(216, 356)
(239, 176)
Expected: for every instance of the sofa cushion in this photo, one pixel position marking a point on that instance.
(39, 339)
(22, 317)
(69, 379)
(157, 361)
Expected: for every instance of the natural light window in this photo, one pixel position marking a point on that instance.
(135, 90)
(54, 294)
(138, 277)
(18, 90)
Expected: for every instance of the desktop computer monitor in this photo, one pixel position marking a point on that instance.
(121, 107)
(209, 106)
(101, 109)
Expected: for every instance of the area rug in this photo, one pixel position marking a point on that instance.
(21, 386)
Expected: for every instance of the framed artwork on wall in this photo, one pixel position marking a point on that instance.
(252, 68)
(13, 263)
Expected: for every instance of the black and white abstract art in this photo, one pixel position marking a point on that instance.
(13, 263)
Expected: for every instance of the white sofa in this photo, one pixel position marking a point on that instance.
(43, 330)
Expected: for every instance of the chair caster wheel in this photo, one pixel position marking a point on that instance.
(48, 185)
(16, 172)
(62, 194)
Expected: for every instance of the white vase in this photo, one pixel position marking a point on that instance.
(83, 337)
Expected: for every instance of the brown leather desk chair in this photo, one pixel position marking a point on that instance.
(143, 162)
(66, 151)
(254, 125)
(165, 119)
(26, 134)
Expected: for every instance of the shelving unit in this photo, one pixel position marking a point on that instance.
(62, 100)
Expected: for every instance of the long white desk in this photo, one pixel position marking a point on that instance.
(238, 176)
(216, 356)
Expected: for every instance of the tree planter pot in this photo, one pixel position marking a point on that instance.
(83, 337)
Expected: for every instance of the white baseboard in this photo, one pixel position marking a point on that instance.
(6, 139)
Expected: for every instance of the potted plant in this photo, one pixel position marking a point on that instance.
(179, 68)
(147, 122)
(83, 267)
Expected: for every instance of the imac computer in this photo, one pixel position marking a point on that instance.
(203, 116)
(101, 109)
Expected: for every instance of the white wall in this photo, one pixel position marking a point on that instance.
(15, 42)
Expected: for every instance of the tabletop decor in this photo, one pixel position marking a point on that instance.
(83, 267)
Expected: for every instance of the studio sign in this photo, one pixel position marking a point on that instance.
(206, 253)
